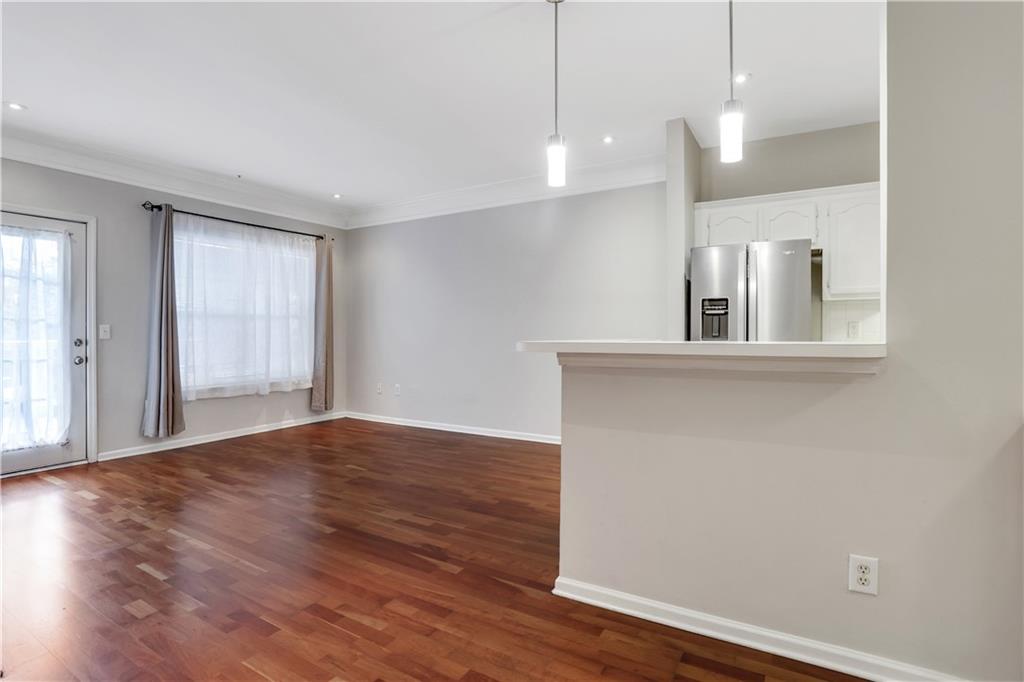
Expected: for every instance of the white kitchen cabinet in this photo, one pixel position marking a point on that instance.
(731, 225)
(789, 220)
(844, 222)
(852, 266)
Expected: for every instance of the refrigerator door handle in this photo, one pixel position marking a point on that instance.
(751, 293)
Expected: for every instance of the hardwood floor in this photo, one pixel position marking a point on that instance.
(342, 550)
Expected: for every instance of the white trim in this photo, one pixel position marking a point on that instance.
(161, 177)
(760, 349)
(457, 428)
(791, 196)
(724, 363)
(184, 442)
(175, 443)
(804, 357)
(811, 651)
(642, 170)
(40, 470)
(91, 404)
(205, 186)
(883, 166)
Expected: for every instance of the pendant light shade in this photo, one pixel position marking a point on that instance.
(556, 142)
(730, 126)
(556, 160)
(730, 123)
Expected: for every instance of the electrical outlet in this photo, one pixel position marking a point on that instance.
(853, 330)
(104, 331)
(398, 389)
(380, 388)
(863, 574)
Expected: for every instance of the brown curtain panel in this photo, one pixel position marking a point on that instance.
(322, 398)
(163, 414)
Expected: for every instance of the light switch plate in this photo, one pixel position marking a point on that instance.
(104, 331)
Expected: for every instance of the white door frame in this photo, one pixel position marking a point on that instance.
(91, 436)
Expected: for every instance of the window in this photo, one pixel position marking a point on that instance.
(35, 385)
(245, 302)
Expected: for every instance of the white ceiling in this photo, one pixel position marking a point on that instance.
(388, 102)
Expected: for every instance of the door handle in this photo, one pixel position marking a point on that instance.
(79, 360)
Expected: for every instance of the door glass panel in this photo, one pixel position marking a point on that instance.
(35, 289)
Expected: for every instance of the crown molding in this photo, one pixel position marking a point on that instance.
(642, 170)
(205, 186)
(795, 195)
(179, 180)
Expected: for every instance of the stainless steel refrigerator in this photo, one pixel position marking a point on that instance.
(759, 291)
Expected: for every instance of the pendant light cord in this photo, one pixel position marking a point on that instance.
(732, 76)
(556, 66)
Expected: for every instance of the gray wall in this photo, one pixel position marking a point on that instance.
(682, 171)
(437, 305)
(824, 158)
(123, 282)
(742, 495)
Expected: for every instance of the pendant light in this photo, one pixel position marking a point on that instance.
(556, 142)
(730, 124)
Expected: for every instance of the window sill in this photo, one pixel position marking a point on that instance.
(816, 357)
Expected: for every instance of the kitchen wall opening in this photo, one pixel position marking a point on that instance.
(788, 243)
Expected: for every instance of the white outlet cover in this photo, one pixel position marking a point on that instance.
(104, 330)
(863, 574)
(398, 389)
(853, 330)
(380, 388)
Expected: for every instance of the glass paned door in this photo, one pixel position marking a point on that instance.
(42, 342)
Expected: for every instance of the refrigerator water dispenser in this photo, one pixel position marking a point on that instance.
(714, 319)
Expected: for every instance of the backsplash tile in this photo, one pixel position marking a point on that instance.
(836, 317)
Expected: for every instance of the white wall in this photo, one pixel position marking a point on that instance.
(741, 495)
(437, 305)
(123, 283)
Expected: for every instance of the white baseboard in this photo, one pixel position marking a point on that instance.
(457, 428)
(175, 443)
(811, 651)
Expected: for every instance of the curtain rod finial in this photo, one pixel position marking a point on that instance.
(150, 206)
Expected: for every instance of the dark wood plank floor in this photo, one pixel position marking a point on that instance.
(342, 550)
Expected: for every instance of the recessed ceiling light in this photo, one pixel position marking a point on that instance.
(742, 78)
(607, 139)
(336, 196)
(16, 106)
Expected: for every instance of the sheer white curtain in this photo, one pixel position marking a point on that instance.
(245, 302)
(35, 407)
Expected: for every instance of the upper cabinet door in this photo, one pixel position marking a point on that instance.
(853, 257)
(736, 225)
(790, 220)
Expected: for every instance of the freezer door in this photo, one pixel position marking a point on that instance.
(779, 290)
(718, 302)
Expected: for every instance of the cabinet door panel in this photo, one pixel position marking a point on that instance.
(732, 226)
(792, 220)
(853, 259)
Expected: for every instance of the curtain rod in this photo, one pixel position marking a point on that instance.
(150, 206)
